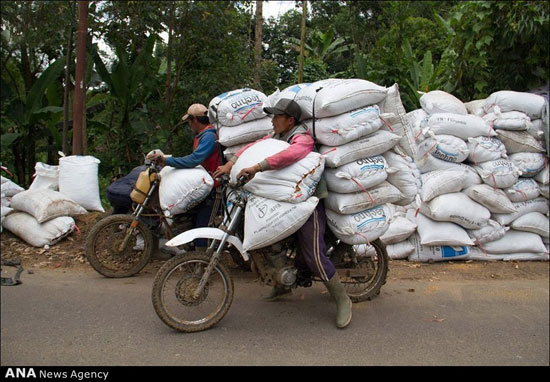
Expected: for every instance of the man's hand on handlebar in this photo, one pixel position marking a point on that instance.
(222, 170)
(157, 158)
(249, 172)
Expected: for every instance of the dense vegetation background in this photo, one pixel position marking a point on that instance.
(166, 55)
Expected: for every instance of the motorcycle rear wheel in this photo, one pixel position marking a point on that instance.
(173, 288)
(103, 251)
(361, 288)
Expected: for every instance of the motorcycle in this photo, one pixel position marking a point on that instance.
(194, 291)
(122, 245)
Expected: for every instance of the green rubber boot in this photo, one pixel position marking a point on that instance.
(343, 302)
(277, 292)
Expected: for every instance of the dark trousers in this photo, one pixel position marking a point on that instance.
(311, 239)
(202, 217)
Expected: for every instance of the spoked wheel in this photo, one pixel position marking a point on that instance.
(174, 293)
(364, 279)
(115, 252)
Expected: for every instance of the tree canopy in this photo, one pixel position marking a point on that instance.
(149, 60)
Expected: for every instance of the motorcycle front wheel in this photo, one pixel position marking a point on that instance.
(174, 297)
(113, 250)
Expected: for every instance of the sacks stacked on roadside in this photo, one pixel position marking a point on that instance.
(345, 118)
(44, 214)
(471, 181)
(239, 118)
(517, 119)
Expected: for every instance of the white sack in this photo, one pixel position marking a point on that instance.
(534, 222)
(268, 221)
(439, 182)
(508, 100)
(346, 127)
(294, 183)
(46, 177)
(530, 164)
(368, 146)
(445, 147)
(335, 96)
(524, 189)
(539, 204)
(4, 211)
(245, 132)
(458, 208)
(78, 179)
(430, 163)
(27, 228)
(358, 175)
(46, 204)
(237, 106)
(462, 126)
(182, 189)
(406, 177)
(494, 199)
(543, 177)
(9, 188)
(358, 201)
(483, 149)
(287, 93)
(437, 253)
(431, 232)
(516, 241)
(438, 101)
(519, 142)
(475, 107)
(490, 232)
(479, 254)
(499, 173)
(511, 120)
(362, 227)
(399, 230)
(400, 250)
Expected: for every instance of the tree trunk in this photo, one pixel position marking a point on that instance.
(168, 93)
(67, 89)
(302, 43)
(80, 78)
(258, 46)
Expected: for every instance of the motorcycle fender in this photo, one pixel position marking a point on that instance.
(206, 233)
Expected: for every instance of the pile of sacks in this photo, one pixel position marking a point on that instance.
(484, 168)
(44, 214)
(364, 151)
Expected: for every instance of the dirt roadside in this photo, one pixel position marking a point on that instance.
(68, 255)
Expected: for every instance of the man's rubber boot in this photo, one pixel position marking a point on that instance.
(277, 292)
(343, 302)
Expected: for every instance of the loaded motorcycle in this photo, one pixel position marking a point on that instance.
(122, 245)
(194, 291)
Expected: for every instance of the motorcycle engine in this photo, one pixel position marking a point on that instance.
(275, 265)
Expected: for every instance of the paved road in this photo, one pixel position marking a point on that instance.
(67, 318)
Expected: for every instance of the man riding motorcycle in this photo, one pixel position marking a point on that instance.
(286, 127)
(206, 152)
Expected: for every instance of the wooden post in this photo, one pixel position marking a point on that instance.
(80, 78)
(258, 46)
(302, 43)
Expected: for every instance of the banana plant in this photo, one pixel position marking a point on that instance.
(421, 73)
(323, 46)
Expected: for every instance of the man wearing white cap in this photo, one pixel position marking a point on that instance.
(206, 152)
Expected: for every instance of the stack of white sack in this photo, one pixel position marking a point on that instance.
(279, 201)
(472, 184)
(44, 214)
(518, 119)
(239, 118)
(345, 118)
